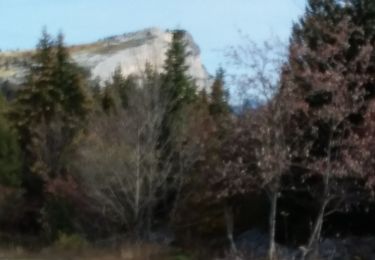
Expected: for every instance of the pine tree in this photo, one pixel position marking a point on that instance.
(68, 81)
(177, 88)
(219, 97)
(48, 114)
(117, 91)
(176, 93)
(151, 82)
(203, 97)
(34, 106)
(122, 86)
(108, 102)
(48, 111)
(10, 159)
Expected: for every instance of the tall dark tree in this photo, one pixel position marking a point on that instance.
(120, 87)
(329, 11)
(48, 113)
(68, 79)
(329, 84)
(35, 105)
(107, 100)
(177, 90)
(50, 108)
(219, 105)
(363, 14)
(10, 159)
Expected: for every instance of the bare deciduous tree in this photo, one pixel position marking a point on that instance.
(260, 68)
(119, 161)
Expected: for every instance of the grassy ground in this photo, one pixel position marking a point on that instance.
(126, 252)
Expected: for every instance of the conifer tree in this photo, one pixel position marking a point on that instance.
(124, 87)
(10, 159)
(108, 103)
(48, 111)
(203, 97)
(32, 107)
(117, 91)
(152, 83)
(219, 97)
(68, 80)
(121, 87)
(177, 88)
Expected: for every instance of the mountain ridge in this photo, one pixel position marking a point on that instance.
(130, 51)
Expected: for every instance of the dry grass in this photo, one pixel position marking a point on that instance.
(139, 251)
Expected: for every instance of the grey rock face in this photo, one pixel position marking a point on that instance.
(130, 51)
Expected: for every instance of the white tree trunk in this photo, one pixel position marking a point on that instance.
(272, 226)
(228, 213)
(138, 178)
(315, 235)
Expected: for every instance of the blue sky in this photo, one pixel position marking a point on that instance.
(214, 24)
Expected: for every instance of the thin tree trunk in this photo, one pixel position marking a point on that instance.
(315, 235)
(272, 226)
(148, 220)
(228, 213)
(137, 197)
(138, 179)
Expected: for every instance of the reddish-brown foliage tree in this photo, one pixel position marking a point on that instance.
(329, 87)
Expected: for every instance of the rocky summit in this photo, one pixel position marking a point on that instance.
(130, 51)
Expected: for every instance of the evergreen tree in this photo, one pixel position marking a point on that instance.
(117, 91)
(48, 111)
(122, 86)
(203, 97)
(68, 80)
(177, 93)
(152, 84)
(177, 89)
(108, 103)
(35, 105)
(219, 97)
(10, 159)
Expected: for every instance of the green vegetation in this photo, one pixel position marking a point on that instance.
(10, 155)
(150, 159)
